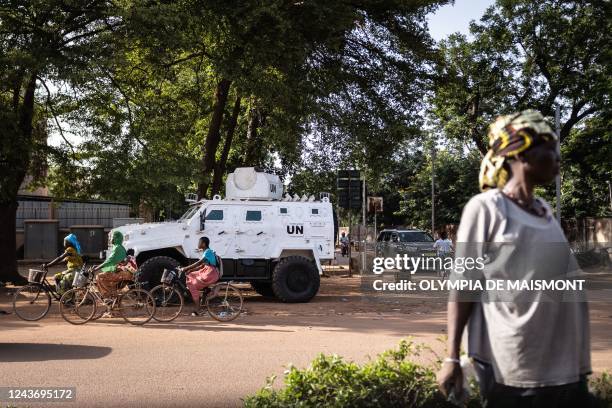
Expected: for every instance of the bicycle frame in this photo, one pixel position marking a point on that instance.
(46, 286)
(178, 282)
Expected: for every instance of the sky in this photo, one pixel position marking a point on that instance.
(456, 18)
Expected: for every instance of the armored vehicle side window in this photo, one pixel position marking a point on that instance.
(214, 215)
(314, 211)
(381, 236)
(253, 215)
(387, 236)
(283, 210)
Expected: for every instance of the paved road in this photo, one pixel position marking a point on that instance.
(198, 362)
(192, 363)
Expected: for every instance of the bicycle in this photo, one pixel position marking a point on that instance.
(223, 301)
(32, 302)
(80, 304)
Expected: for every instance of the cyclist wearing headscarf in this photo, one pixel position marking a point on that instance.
(527, 349)
(72, 256)
(111, 273)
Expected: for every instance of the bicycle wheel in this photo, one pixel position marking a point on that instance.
(77, 306)
(224, 303)
(136, 306)
(31, 302)
(168, 303)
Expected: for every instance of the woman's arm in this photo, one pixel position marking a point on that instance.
(113, 259)
(458, 314)
(471, 238)
(450, 376)
(58, 259)
(193, 266)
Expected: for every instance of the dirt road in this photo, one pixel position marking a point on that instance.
(200, 362)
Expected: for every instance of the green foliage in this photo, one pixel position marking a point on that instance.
(392, 379)
(456, 181)
(327, 82)
(601, 387)
(586, 169)
(525, 54)
(330, 381)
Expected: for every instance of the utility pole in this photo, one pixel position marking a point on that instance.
(433, 188)
(610, 193)
(363, 214)
(558, 178)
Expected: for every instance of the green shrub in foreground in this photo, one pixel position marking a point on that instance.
(330, 381)
(390, 380)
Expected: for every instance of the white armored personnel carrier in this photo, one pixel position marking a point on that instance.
(276, 243)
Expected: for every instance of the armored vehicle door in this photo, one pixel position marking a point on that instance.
(216, 223)
(253, 231)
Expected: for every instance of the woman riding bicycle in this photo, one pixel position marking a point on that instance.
(112, 272)
(202, 273)
(74, 262)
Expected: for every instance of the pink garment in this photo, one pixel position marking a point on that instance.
(200, 279)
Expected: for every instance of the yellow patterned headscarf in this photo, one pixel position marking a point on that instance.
(510, 135)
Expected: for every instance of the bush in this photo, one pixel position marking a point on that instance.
(390, 380)
(601, 387)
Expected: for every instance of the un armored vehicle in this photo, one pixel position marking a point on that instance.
(275, 243)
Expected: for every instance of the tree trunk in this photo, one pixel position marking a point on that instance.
(213, 137)
(14, 162)
(253, 152)
(8, 244)
(474, 114)
(220, 165)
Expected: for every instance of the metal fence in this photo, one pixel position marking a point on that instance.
(70, 213)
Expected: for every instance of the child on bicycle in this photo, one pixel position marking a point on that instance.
(129, 264)
(74, 262)
(202, 273)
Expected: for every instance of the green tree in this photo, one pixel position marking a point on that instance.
(587, 168)
(456, 181)
(40, 41)
(525, 54)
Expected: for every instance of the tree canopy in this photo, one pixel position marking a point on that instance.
(153, 100)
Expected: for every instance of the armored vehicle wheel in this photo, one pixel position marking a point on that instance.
(295, 279)
(263, 288)
(151, 271)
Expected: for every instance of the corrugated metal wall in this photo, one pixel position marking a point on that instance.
(74, 213)
(31, 210)
(71, 213)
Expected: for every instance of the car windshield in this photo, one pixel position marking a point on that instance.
(415, 236)
(189, 213)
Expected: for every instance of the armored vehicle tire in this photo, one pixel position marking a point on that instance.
(152, 270)
(263, 288)
(295, 279)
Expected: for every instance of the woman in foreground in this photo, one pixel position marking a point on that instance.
(528, 350)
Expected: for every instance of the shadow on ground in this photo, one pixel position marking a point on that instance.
(27, 352)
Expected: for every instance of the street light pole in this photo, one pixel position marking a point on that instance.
(365, 231)
(558, 178)
(610, 193)
(433, 188)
